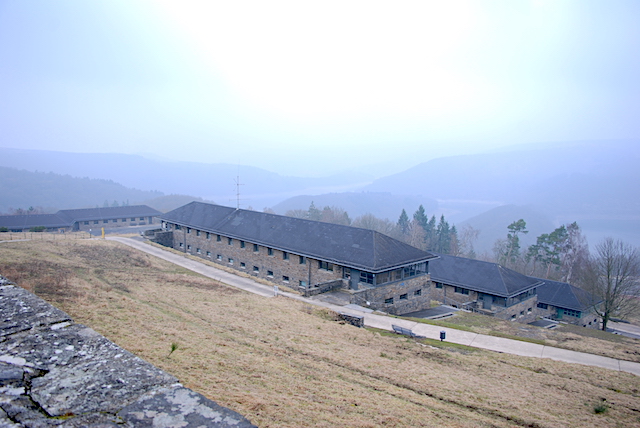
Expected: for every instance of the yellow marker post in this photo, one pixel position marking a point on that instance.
(103, 233)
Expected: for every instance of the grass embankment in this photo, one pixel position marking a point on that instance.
(283, 363)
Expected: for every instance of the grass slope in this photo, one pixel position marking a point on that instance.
(283, 363)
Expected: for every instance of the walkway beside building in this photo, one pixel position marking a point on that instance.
(475, 340)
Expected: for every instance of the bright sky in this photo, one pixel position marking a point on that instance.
(302, 87)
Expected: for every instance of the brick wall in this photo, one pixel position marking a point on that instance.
(397, 298)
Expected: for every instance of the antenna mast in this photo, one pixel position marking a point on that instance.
(238, 184)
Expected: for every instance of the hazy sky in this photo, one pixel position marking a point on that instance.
(303, 86)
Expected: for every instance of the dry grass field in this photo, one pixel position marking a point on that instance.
(283, 363)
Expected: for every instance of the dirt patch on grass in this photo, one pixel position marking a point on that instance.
(283, 363)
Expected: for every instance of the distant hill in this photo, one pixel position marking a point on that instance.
(381, 204)
(22, 189)
(259, 188)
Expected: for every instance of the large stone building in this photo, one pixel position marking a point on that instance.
(84, 219)
(377, 270)
(564, 302)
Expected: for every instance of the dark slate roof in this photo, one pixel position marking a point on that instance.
(484, 277)
(564, 295)
(33, 220)
(85, 214)
(345, 245)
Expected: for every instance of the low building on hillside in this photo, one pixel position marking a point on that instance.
(314, 257)
(564, 302)
(484, 287)
(82, 219)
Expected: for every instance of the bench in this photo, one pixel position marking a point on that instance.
(405, 331)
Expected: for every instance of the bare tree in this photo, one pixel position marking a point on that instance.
(468, 235)
(611, 277)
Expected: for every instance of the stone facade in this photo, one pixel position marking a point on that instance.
(110, 223)
(586, 319)
(522, 311)
(311, 276)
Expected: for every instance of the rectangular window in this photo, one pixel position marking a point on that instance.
(403, 296)
(572, 313)
(188, 230)
(122, 220)
(209, 254)
(270, 273)
(230, 261)
(96, 222)
(256, 269)
(115, 220)
(270, 251)
(325, 265)
(188, 247)
(198, 251)
(302, 260)
(461, 290)
(141, 218)
(543, 305)
(389, 301)
(302, 283)
(181, 245)
(366, 277)
(285, 278)
(86, 222)
(197, 233)
(418, 292)
(133, 219)
(285, 255)
(242, 265)
(208, 235)
(438, 285)
(241, 244)
(255, 248)
(219, 257)
(178, 227)
(229, 241)
(218, 238)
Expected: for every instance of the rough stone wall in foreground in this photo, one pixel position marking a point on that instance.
(54, 372)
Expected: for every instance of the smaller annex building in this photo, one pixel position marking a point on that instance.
(484, 287)
(376, 270)
(561, 301)
(82, 219)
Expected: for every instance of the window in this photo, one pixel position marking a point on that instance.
(285, 255)
(270, 273)
(133, 219)
(543, 305)
(229, 241)
(388, 301)
(188, 230)
(461, 290)
(188, 247)
(572, 313)
(366, 277)
(96, 222)
(123, 220)
(270, 251)
(198, 251)
(302, 283)
(105, 221)
(115, 220)
(255, 248)
(141, 218)
(230, 261)
(418, 292)
(181, 245)
(208, 235)
(302, 260)
(218, 238)
(325, 265)
(285, 278)
(209, 254)
(438, 284)
(197, 233)
(86, 222)
(177, 225)
(256, 269)
(403, 296)
(241, 244)
(242, 265)
(219, 257)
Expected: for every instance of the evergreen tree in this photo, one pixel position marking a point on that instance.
(403, 223)
(314, 213)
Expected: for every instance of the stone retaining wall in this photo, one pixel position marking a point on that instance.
(54, 372)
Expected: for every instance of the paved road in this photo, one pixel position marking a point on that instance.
(476, 340)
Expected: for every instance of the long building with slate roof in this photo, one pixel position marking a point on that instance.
(82, 219)
(565, 302)
(377, 270)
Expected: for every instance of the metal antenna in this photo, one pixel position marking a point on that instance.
(238, 184)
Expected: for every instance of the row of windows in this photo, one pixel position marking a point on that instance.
(405, 296)
(115, 220)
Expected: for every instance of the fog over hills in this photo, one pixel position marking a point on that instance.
(593, 182)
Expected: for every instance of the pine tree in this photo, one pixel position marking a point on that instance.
(403, 222)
